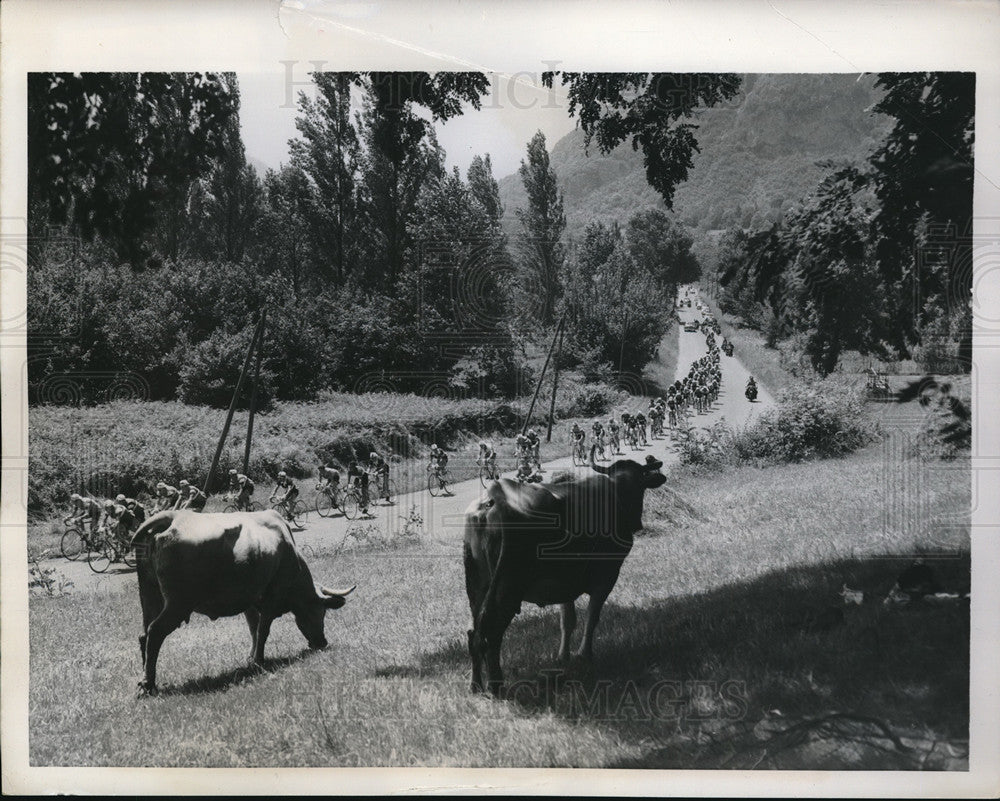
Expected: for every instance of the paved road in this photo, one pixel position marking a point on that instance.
(443, 516)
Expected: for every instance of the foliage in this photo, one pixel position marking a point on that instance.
(946, 432)
(819, 419)
(115, 154)
(648, 109)
(540, 249)
(49, 580)
(922, 177)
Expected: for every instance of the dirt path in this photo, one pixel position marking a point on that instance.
(443, 517)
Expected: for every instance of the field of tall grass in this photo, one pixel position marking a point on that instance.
(727, 623)
(128, 446)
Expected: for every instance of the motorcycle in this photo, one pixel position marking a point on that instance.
(751, 392)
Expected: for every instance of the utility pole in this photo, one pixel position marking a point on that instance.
(621, 352)
(253, 395)
(538, 386)
(555, 386)
(232, 404)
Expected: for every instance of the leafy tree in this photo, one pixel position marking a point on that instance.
(227, 205)
(397, 158)
(646, 108)
(542, 223)
(662, 247)
(114, 154)
(329, 154)
(922, 177)
(284, 236)
(485, 189)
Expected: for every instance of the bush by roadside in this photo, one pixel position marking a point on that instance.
(814, 420)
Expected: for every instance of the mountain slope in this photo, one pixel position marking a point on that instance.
(758, 156)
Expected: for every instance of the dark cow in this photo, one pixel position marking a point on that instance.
(221, 565)
(549, 544)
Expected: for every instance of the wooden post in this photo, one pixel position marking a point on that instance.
(232, 405)
(555, 386)
(253, 394)
(538, 386)
(621, 353)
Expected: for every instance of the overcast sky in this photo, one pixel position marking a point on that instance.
(511, 114)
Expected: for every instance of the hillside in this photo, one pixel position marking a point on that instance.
(759, 154)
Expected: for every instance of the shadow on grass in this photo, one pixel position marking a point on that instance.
(689, 669)
(236, 676)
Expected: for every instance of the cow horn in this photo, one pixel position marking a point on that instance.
(339, 593)
(593, 464)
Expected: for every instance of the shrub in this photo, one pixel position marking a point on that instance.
(815, 420)
(707, 447)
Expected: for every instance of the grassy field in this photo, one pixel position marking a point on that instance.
(128, 446)
(727, 619)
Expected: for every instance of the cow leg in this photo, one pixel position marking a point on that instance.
(165, 622)
(476, 591)
(253, 622)
(590, 625)
(263, 629)
(151, 600)
(567, 625)
(497, 613)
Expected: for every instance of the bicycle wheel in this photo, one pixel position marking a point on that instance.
(350, 503)
(100, 560)
(128, 556)
(72, 544)
(484, 477)
(324, 504)
(231, 508)
(253, 506)
(300, 513)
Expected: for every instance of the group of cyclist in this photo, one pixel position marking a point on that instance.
(359, 478)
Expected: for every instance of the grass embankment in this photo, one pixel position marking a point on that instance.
(129, 446)
(719, 618)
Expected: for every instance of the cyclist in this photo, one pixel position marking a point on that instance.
(487, 457)
(380, 469)
(615, 431)
(598, 431)
(534, 446)
(358, 478)
(137, 509)
(190, 497)
(166, 497)
(520, 445)
(329, 480)
(83, 511)
(241, 487)
(119, 521)
(439, 460)
(578, 437)
(286, 489)
(640, 424)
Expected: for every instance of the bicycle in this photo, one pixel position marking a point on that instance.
(293, 511)
(386, 486)
(599, 445)
(235, 506)
(329, 498)
(632, 438)
(437, 484)
(488, 471)
(76, 540)
(579, 454)
(110, 547)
